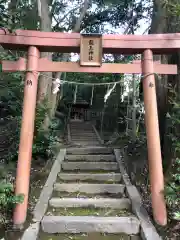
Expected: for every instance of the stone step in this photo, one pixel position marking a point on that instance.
(87, 236)
(89, 150)
(77, 138)
(89, 188)
(91, 132)
(83, 134)
(81, 124)
(107, 166)
(84, 138)
(77, 131)
(123, 203)
(114, 177)
(86, 224)
(86, 143)
(82, 129)
(93, 158)
(80, 132)
(94, 142)
(84, 126)
(86, 131)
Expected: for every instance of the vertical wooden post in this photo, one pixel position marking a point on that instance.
(26, 136)
(134, 109)
(153, 140)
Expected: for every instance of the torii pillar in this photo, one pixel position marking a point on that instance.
(26, 136)
(153, 139)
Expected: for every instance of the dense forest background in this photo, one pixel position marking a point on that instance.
(92, 16)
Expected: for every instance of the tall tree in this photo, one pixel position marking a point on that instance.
(158, 25)
(45, 26)
(164, 20)
(65, 57)
(45, 80)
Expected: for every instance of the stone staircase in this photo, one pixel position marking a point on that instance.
(89, 197)
(83, 133)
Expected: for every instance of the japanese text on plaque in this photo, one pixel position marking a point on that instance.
(91, 50)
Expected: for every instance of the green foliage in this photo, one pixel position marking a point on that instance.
(43, 142)
(173, 7)
(8, 200)
(115, 13)
(173, 186)
(42, 146)
(11, 96)
(41, 111)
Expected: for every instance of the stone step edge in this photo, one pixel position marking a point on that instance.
(84, 142)
(122, 203)
(91, 140)
(87, 224)
(79, 165)
(84, 134)
(89, 150)
(84, 139)
(116, 177)
(93, 158)
(89, 188)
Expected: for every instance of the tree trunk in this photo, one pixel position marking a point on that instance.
(76, 28)
(45, 80)
(158, 25)
(164, 21)
(45, 26)
(172, 129)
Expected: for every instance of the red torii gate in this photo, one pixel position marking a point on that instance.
(36, 41)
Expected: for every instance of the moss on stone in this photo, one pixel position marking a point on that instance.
(86, 195)
(111, 181)
(88, 211)
(84, 236)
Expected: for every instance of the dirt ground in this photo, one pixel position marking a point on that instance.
(39, 173)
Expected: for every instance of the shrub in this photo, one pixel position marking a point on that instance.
(8, 200)
(173, 184)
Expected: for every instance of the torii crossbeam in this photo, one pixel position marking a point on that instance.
(35, 41)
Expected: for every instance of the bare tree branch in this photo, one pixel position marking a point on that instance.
(82, 14)
(59, 21)
(70, 11)
(39, 7)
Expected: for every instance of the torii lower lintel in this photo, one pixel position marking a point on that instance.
(44, 65)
